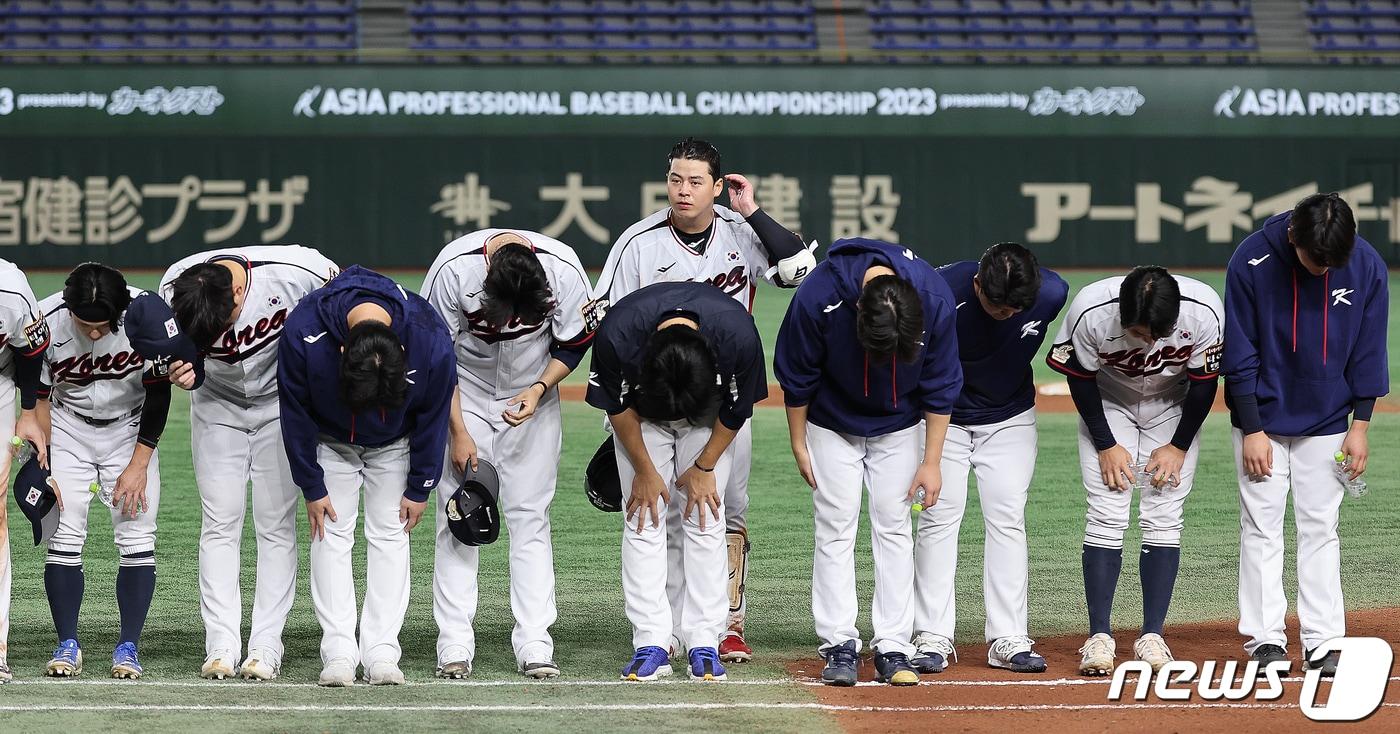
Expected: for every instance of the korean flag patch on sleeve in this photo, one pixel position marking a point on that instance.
(171, 328)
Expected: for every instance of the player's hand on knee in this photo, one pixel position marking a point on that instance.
(649, 495)
(929, 477)
(1165, 465)
(463, 452)
(27, 428)
(527, 401)
(182, 374)
(701, 494)
(1357, 448)
(1116, 466)
(130, 493)
(804, 464)
(316, 513)
(410, 513)
(1257, 452)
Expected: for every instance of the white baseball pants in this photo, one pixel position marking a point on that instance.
(80, 454)
(1002, 456)
(7, 430)
(526, 458)
(703, 595)
(1302, 464)
(884, 466)
(383, 472)
(234, 445)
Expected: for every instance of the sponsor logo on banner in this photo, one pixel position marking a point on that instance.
(1279, 102)
(158, 100)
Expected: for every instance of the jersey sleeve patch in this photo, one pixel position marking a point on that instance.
(36, 335)
(593, 313)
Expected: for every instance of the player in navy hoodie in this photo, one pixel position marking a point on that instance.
(365, 373)
(867, 351)
(1305, 330)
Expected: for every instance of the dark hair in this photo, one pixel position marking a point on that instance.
(96, 293)
(1324, 227)
(890, 318)
(696, 150)
(678, 378)
(372, 368)
(515, 287)
(1150, 297)
(203, 302)
(1009, 276)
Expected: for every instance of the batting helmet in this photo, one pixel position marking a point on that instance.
(600, 482)
(472, 514)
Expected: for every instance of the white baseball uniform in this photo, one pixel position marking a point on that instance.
(96, 394)
(494, 366)
(22, 327)
(1143, 387)
(236, 437)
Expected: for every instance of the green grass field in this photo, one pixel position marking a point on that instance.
(592, 635)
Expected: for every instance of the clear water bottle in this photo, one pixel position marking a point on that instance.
(1142, 480)
(22, 450)
(105, 492)
(1342, 466)
(918, 505)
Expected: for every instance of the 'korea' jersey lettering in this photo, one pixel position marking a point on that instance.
(1092, 342)
(242, 362)
(100, 379)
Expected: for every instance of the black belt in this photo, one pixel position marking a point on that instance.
(99, 422)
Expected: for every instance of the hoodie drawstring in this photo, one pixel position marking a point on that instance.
(1326, 289)
(1295, 311)
(867, 374)
(352, 428)
(894, 381)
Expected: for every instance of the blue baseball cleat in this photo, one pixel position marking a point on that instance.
(124, 662)
(705, 665)
(648, 664)
(67, 660)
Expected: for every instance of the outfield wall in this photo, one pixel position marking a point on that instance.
(1093, 166)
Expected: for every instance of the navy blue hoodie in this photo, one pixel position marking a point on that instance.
(820, 364)
(308, 381)
(1306, 346)
(996, 356)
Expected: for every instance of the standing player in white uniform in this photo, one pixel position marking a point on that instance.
(109, 369)
(516, 304)
(696, 239)
(26, 334)
(232, 303)
(1142, 357)
(1005, 304)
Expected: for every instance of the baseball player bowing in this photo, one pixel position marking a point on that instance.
(104, 407)
(516, 306)
(26, 334)
(1005, 305)
(364, 380)
(678, 368)
(696, 239)
(1305, 346)
(867, 350)
(1142, 356)
(233, 304)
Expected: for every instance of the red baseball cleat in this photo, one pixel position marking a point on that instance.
(732, 649)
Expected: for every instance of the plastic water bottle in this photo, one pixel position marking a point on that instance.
(104, 493)
(918, 505)
(21, 449)
(1142, 480)
(1355, 487)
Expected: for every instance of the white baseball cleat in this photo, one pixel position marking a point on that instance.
(1153, 650)
(1097, 655)
(260, 665)
(383, 673)
(540, 669)
(5, 674)
(218, 666)
(338, 673)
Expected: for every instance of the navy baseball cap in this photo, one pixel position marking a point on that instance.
(154, 334)
(472, 514)
(37, 499)
(601, 482)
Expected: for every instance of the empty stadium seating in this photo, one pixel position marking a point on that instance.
(1354, 25)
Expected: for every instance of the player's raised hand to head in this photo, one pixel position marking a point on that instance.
(649, 495)
(1257, 455)
(410, 513)
(701, 494)
(182, 374)
(316, 513)
(741, 194)
(1116, 466)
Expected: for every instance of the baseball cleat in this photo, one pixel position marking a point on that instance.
(1153, 650)
(932, 653)
(894, 668)
(705, 664)
(1265, 654)
(260, 665)
(67, 661)
(454, 670)
(218, 666)
(540, 670)
(383, 673)
(648, 664)
(1016, 655)
(1327, 663)
(124, 662)
(1097, 655)
(338, 673)
(733, 649)
(842, 662)
(6, 675)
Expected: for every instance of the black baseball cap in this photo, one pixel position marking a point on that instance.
(472, 512)
(36, 499)
(600, 480)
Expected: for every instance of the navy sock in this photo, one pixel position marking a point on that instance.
(1157, 564)
(63, 583)
(136, 584)
(1101, 568)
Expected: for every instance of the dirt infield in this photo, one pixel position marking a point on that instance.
(972, 697)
